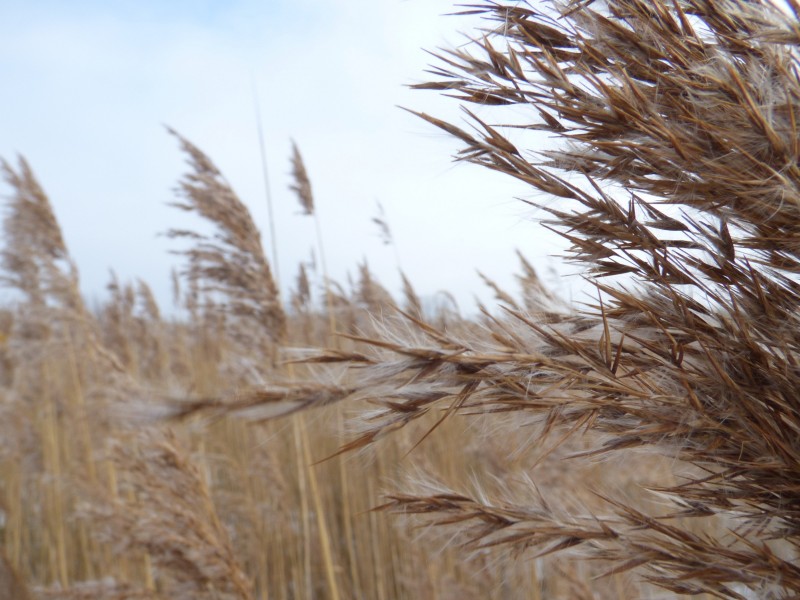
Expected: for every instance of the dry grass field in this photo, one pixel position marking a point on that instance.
(341, 443)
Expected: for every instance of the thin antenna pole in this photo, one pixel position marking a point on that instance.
(267, 189)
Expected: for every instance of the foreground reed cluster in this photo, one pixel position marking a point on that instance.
(642, 445)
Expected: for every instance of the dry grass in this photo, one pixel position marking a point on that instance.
(692, 355)
(644, 445)
(95, 507)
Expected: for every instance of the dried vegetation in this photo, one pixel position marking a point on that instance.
(642, 446)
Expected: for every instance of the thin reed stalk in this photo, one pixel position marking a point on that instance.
(267, 188)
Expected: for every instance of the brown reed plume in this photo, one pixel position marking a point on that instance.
(35, 259)
(302, 183)
(413, 304)
(301, 296)
(36, 262)
(164, 508)
(676, 182)
(230, 266)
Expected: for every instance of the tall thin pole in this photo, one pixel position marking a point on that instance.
(267, 189)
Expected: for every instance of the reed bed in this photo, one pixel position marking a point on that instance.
(341, 443)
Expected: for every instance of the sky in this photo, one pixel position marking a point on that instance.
(89, 86)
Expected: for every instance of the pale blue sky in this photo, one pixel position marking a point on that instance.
(88, 85)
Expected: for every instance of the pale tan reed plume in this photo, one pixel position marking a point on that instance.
(35, 258)
(413, 303)
(302, 183)
(131, 326)
(236, 273)
(301, 296)
(230, 266)
(164, 508)
(369, 293)
(37, 264)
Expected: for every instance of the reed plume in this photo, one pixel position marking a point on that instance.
(693, 107)
(413, 303)
(302, 183)
(230, 266)
(35, 258)
(384, 231)
(301, 296)
(164, 508)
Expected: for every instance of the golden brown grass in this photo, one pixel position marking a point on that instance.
(686, 104)
(97, 505)
(642, 446)
(10, 585)
(676, 181)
